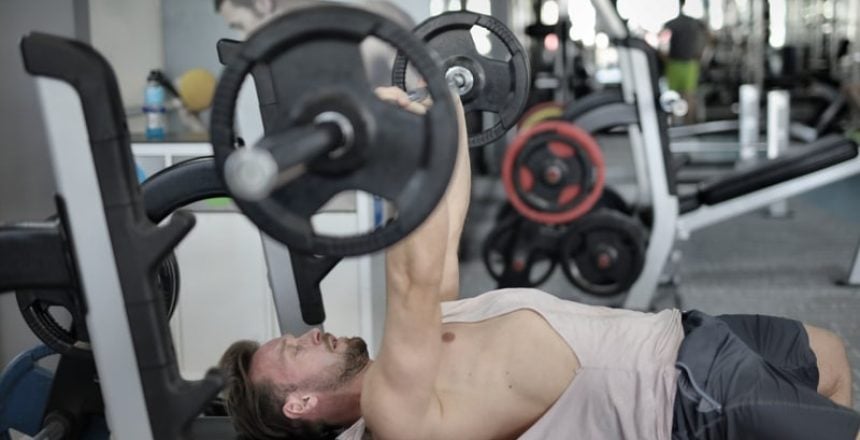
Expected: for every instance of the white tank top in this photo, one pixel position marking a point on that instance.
(625, 387)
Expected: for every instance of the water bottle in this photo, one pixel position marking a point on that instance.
(154, 107)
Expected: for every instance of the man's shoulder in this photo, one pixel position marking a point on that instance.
(517, 295)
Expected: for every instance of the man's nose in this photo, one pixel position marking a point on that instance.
(314, 337)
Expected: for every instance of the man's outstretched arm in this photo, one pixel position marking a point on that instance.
(398, 396)
(457, 197)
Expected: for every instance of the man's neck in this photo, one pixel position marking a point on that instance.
(346, 401)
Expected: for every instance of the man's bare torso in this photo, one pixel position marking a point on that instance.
(496, 378)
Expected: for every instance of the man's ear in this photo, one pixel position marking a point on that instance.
(299, 404)
(264, 7)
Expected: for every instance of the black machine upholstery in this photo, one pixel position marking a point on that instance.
(824, 153)
(579, 107)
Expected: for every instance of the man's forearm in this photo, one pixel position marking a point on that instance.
(429, 242)
(417, 261)
(458, 197)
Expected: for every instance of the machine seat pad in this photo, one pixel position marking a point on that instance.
(819, 155)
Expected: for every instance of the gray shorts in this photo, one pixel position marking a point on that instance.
(752, 377)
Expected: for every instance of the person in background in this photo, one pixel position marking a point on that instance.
(246, 16)
(688, 38)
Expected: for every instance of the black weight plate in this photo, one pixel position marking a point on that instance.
(519, 253)
(604, 253)
(500, 87)
(164, 193)
(612, 200)
(407, 159)
(39, 310)
(505, 211)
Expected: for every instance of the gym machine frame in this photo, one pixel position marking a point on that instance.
(649, 140)
(113, 244)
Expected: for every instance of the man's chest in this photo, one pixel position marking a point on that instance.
(502, 374)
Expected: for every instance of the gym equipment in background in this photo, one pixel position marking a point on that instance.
(538, 113)
(334, 134)
(671, 217)
(25, 395)
(38, 307)
(498, 85)
(116, 250)
(519, 252)
(660, 212)
(602, 253)
(24, 390)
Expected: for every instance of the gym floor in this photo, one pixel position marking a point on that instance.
(751, 264)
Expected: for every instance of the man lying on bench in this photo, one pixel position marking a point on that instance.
(520, 363)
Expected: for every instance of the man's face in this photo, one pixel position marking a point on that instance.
(247, 19)
(315, 361)
(241, 19)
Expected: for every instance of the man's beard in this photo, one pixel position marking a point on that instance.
(355, 359)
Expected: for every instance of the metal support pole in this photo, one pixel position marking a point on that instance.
(749, 122)
(561, 61)
(284, 290)
(778, 121)
(107, 316)
(757, 44)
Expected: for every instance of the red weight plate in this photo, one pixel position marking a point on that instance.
(569, 193)
(527, 179)
(561, 150)
(579, 137)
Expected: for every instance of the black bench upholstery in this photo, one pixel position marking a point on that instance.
(821, 154)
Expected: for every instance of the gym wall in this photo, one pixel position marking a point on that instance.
(191, 28)
(418, 9)
(26, 183)
(129, 34)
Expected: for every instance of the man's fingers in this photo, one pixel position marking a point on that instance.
(399, 97)
(416, 107)
(391, 94)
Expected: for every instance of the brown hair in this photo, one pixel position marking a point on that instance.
(256, 407)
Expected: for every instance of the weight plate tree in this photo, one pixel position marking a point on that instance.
(335, 135)
(484, 84)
